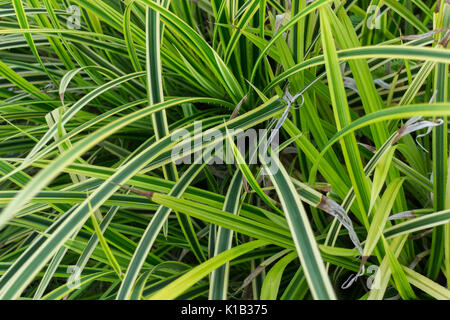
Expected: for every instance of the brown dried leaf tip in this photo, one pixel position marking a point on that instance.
(237, 108)
(147, 194)
(363, 262)
(438, 5)
(333, 208)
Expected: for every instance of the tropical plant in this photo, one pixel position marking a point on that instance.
(96, 204)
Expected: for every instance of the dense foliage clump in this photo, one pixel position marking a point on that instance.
(125, 174)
